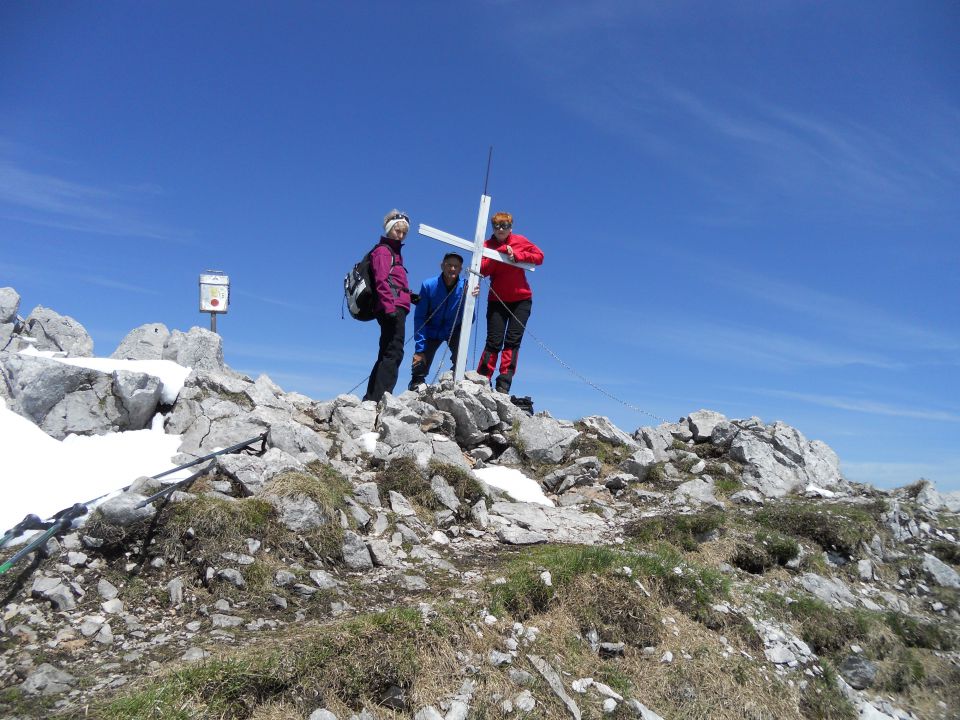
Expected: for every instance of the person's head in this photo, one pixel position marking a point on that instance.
(450, 267)
(502, 225)
(396, 224)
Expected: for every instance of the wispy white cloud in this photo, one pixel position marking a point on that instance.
(41, 199)
(861, 405)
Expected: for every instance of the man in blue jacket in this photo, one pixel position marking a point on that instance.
(438, 317)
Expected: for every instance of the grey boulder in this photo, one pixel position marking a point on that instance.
(143, 343)
(48, 680)
(59, 333)
(544, 439)
(607, 431)
(9, 304)
(198, 349)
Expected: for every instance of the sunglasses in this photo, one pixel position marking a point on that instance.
(502, 226)
(399, 216)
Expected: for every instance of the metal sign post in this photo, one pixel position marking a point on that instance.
(479, 252)
(214, 295)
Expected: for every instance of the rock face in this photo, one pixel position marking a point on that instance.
(545, 440)
(356, 508)
(780, 460)
(198, 349)
(143, 343)
(60, 333)
(9, 304)
(64, 399)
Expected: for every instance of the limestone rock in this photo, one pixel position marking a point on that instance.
(703, 422)
(199, 349)
(940, 573)
(544, 439)
(143, 343)
(9, 304)
(48, 680)
(355, 552)
(607, 431)
(57, 332)
(858, 671)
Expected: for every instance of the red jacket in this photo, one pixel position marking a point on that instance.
(508, 281)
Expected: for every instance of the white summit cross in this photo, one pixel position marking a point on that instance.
(473, 276)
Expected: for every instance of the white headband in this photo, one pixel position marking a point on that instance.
(390, 223)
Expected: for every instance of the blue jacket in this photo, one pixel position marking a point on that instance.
(432, 294)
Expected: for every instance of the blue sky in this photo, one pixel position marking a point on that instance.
(747, 206)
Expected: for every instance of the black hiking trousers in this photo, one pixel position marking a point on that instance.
(383, 377)
(505, 325)
(420, 370)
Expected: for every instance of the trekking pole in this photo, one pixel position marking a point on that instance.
(30, 522)
(175, 486)
(63, 520)
(261, 437)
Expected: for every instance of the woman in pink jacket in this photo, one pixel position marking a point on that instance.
(393, 303)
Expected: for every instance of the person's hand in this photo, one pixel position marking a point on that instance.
(510, 253)
(414, 298)
(476, 290)
(417, 358)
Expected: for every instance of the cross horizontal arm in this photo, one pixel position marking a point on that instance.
(442, 236)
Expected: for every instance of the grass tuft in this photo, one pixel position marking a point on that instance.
(839, 528)
(684, 531)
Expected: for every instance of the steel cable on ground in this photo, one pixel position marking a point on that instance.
(573, 372)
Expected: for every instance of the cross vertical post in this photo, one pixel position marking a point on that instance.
(478, 253)
(473, 278)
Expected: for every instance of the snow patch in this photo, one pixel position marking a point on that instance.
(514, 483)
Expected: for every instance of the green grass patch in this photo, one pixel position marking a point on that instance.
(768, 550)
(684, 531)
(219, 522)
(822, 699)
(353, 661)
(946, 551)
(604, 451)
(524, 593)
(827, 629)
(404, 476)
(463, 482)
(837, 527)
(919, 633)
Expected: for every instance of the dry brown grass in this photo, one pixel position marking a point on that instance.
(704, 686)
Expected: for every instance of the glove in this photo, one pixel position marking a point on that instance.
(414, 298)
(417, 358)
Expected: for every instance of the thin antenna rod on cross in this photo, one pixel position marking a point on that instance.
(487, 178)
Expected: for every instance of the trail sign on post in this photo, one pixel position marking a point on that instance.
(214, 295)
(479, 252)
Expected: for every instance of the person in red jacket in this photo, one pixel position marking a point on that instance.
(393, 303)
(509, 302)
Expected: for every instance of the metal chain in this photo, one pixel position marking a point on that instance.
(569, 369)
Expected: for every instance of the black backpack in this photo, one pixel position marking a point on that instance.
(358, 292)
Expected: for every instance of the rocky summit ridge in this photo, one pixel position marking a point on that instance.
(359, 567)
